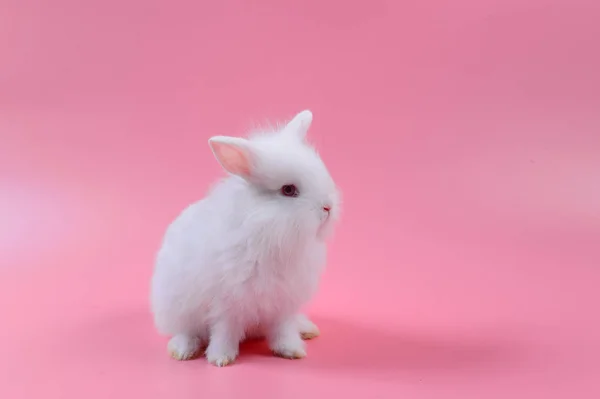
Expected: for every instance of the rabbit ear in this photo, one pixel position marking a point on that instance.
(299, 125)
(233, 153)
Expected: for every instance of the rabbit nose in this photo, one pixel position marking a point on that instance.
(327, 208)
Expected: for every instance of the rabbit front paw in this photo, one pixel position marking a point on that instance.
(285, 341)
(184, 347)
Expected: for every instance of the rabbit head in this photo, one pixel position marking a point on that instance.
(289, 185)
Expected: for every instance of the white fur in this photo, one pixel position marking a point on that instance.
(243, 260)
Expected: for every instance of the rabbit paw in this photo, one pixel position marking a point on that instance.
(306, 328)
(285, 342)
(220, 356)
(289, 350)
(184, 347)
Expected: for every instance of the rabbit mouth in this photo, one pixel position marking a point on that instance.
(324, 229)
(324, 216)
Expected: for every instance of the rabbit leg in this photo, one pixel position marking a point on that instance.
(224, 344)
(284, 339)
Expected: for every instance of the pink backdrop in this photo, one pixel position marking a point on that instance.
(465, 135)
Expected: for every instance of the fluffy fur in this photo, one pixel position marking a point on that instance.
(242, 261)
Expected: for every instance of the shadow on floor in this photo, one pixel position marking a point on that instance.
(349, 345)
(344, 346)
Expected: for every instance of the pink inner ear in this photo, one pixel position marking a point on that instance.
(234, 159)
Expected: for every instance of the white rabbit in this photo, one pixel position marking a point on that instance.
(243, 260)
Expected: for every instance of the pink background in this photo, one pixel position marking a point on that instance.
(465, 135)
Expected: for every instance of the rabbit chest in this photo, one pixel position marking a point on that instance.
(268, 285)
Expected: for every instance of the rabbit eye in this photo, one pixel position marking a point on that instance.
(289, 190)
